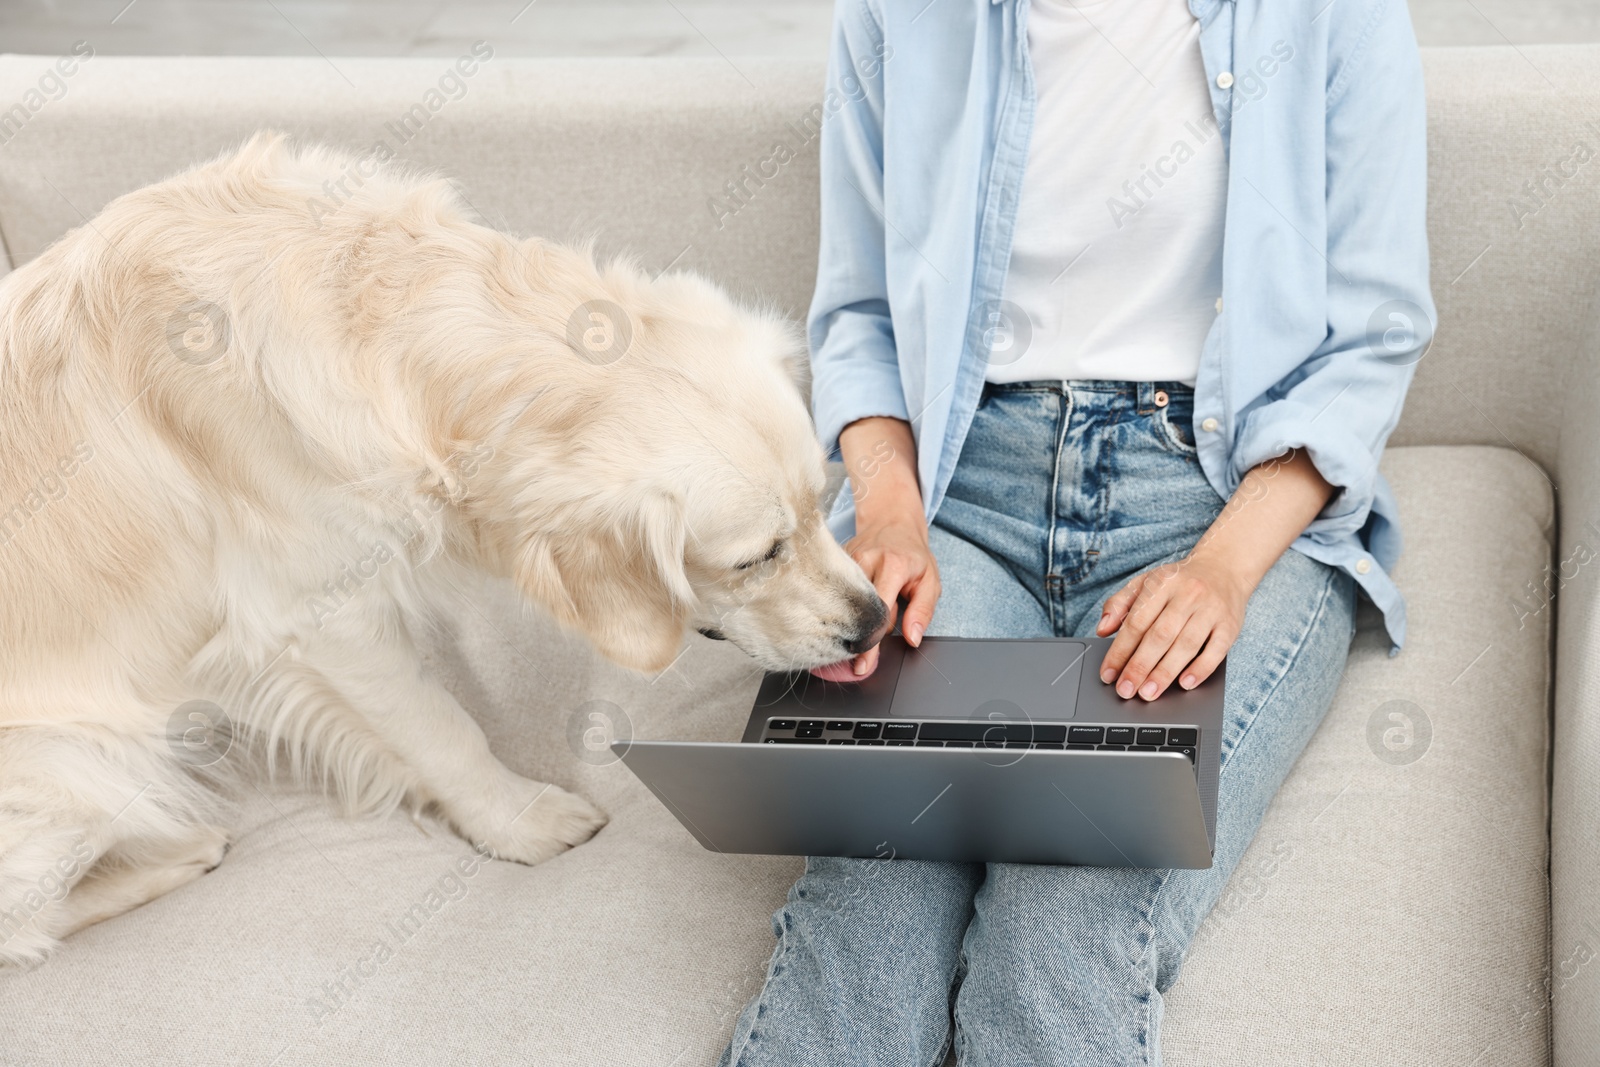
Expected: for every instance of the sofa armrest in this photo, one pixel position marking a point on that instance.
(1574, 978)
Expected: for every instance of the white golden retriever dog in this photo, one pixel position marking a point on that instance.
(252, 441)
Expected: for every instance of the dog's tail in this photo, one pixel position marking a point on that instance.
(76, 799)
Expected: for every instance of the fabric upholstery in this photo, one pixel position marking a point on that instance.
(1572, 582)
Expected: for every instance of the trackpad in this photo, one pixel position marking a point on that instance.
(1002, 679)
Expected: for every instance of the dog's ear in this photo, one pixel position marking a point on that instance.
(620, 583)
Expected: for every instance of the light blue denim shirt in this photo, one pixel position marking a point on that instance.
(1325, 306)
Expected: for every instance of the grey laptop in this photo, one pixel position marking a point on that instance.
(963, 749)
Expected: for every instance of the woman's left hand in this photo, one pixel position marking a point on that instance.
(1176, 621)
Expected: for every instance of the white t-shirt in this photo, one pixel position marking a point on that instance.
(1116, 259)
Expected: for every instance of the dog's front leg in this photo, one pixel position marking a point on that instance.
(418, 720)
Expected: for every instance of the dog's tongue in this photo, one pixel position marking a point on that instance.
(840, 672)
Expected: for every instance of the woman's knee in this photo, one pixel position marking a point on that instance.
(884, 894)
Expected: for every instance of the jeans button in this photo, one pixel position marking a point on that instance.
(1161, 398)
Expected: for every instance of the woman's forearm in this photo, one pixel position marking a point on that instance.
(891, 539)
(1273, 505)
(880, 456)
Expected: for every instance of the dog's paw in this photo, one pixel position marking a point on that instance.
(548, 822)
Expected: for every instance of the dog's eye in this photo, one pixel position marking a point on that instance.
(772, 554)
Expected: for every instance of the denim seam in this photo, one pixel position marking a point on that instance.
(1063, 422)
(1103, 503)
(736, 1059)
(1149, 926)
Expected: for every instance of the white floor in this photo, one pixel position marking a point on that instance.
(794, 28)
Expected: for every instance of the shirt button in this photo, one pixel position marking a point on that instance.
(1209, 426)
(1225, 80)
(1363, 566)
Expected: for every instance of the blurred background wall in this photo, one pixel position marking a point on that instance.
(792, 28)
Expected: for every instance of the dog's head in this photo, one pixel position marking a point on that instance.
(679, 485)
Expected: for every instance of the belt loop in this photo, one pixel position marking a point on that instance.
(1147, 397)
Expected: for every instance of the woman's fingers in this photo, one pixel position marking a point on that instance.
(919, 609)
(865, 663)
(1210, 657)
(1132, 623)
(1183, 651)
(1157, 639)
(1116, 607)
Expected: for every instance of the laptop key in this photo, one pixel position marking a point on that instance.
(1143, 748)
(1079, 748)
(1187, 751)
(900, 744)
(867, 730)
(840, 741)
(1056, 746)
(899, 731)
(959, 744)
(993, 731)
(810, 724)
(839, 724)
(1183, 737)
(1112, 748)
(1152, 735)
(780, 724)
(1119, 735)
(808, 731)
(930, 744)
(869, 741)
(1086, 735)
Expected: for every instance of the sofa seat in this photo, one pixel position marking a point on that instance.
(1393, 909)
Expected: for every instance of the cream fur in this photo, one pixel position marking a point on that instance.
(254, 446)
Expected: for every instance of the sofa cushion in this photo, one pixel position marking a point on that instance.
(1392, 911)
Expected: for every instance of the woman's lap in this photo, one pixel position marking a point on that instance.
(1050, 964)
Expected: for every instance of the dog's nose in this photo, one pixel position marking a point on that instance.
(715, 635)
(872, 623)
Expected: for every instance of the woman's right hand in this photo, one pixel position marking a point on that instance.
(891, 540)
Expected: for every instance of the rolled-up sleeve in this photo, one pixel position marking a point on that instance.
(854, 365)
(1342, 403)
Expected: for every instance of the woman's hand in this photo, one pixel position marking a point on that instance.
(891, 540)
(1178, 620)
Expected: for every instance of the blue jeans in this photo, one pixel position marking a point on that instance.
(1064, 491)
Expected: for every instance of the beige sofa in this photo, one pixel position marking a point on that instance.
(1425, 890)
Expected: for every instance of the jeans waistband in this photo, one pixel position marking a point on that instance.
(1143, 393)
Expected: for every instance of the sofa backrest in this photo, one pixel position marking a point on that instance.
(679, 162)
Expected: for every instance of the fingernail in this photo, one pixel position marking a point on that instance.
(1188, 681)
(1149, 691)
(914, 634)
(1103, 619)
(859, 666)
(1108, 675)
(1125, 690)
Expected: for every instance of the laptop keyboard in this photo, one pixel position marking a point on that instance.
(943, 733)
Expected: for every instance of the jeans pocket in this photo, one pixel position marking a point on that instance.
(1175, 425)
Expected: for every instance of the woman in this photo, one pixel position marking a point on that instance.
(1117, 304)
